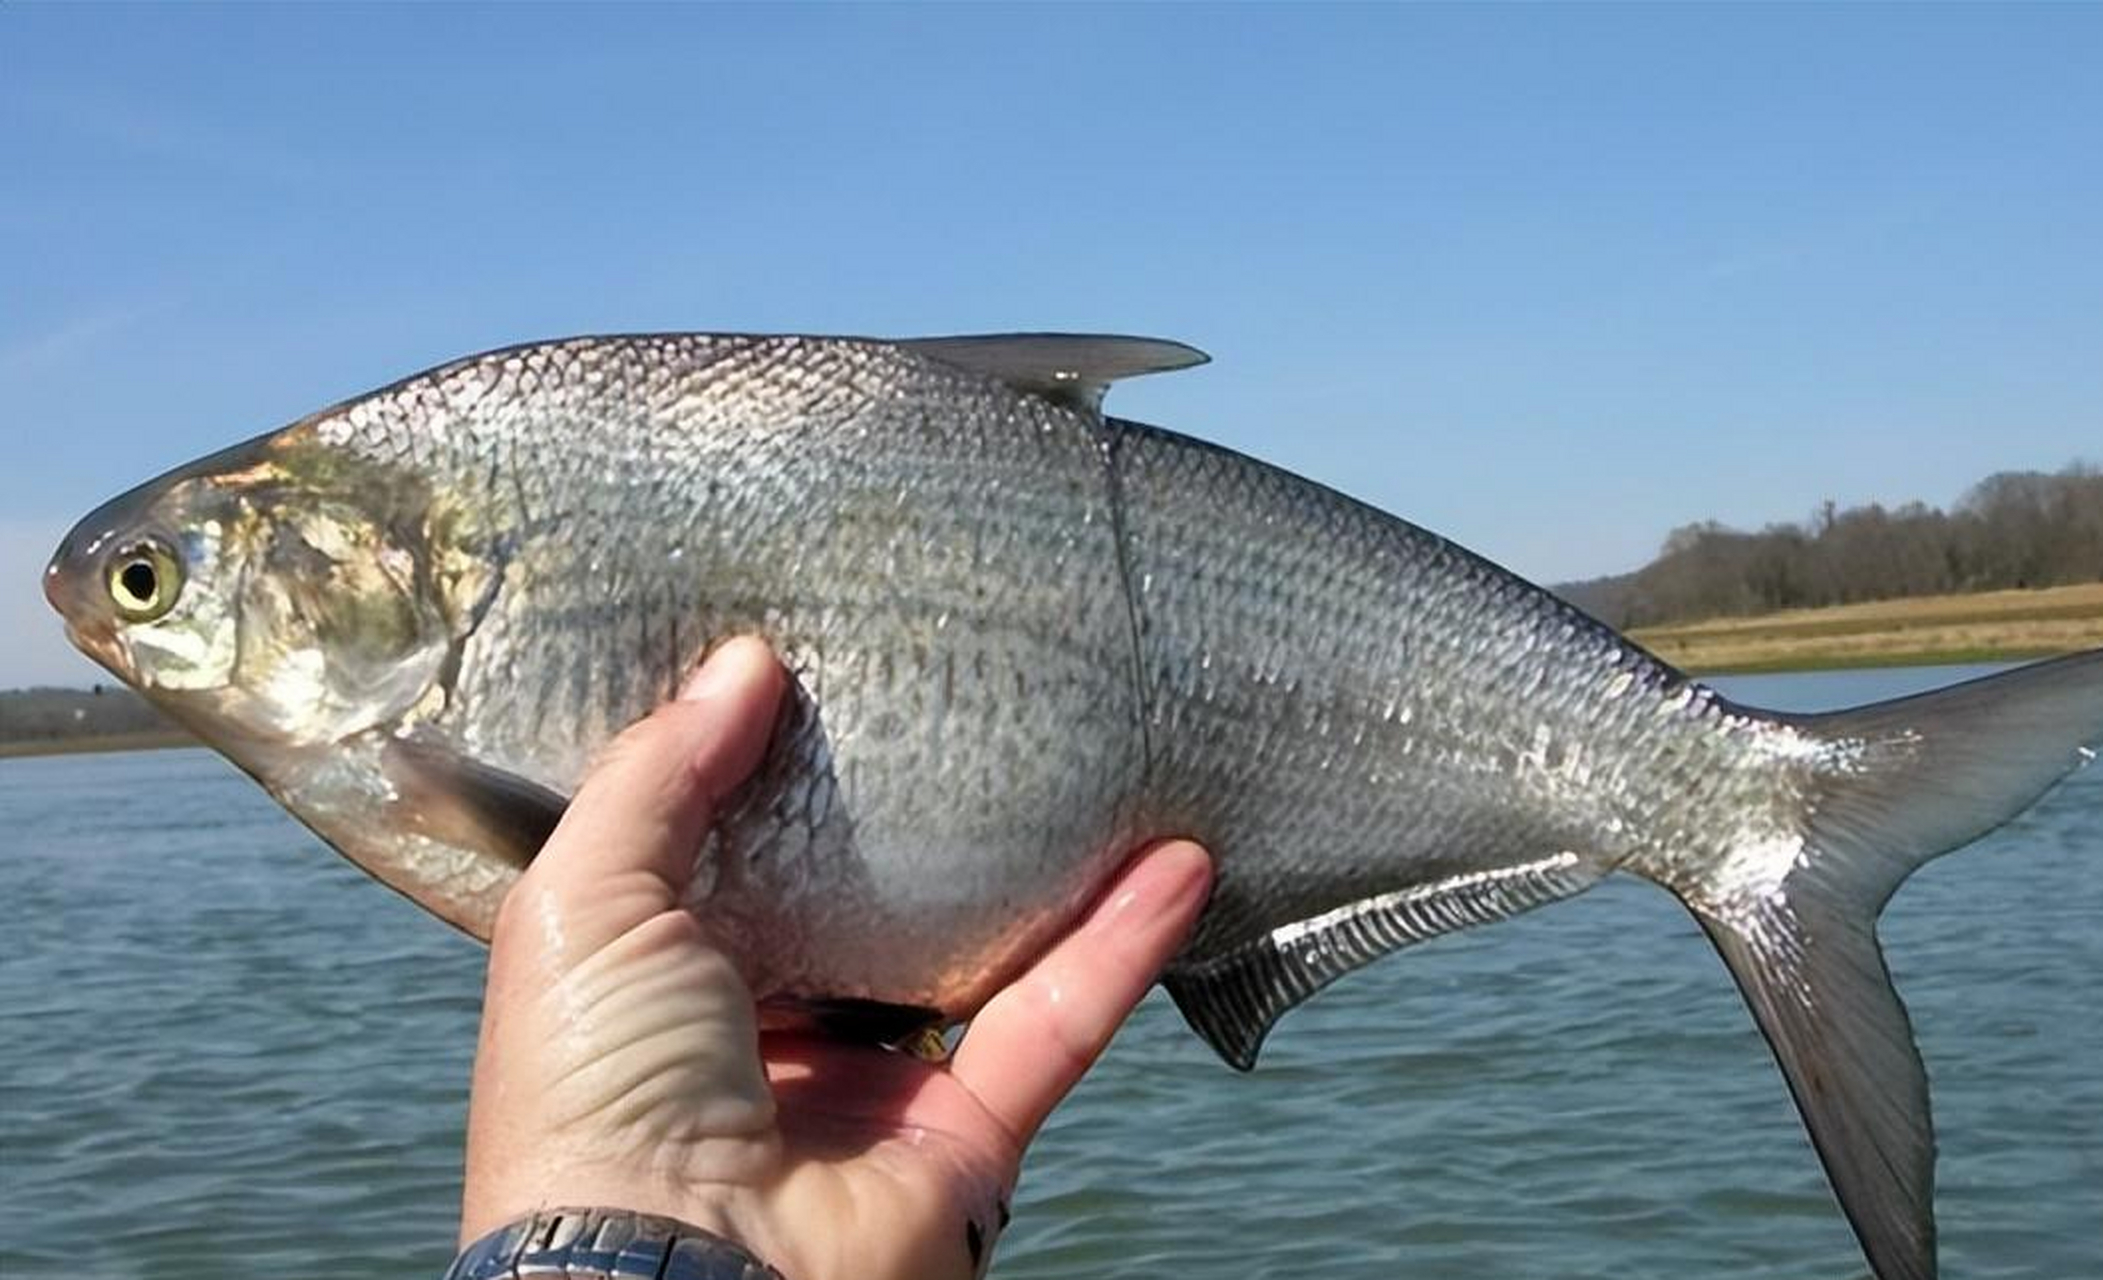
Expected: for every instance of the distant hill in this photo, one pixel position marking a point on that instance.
(1604, 598)
(106, 717)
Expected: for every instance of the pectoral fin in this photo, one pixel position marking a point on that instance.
(465, 802)
(1233, 1000)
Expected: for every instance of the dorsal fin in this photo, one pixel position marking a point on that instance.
(1072, 368)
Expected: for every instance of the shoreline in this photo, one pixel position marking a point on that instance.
(1876, 661)
(148, 740)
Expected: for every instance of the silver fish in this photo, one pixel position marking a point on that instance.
(1025, 638)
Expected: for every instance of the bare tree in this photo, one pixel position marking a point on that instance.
(2014, 529)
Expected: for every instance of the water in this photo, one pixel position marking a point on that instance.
(228, 1055)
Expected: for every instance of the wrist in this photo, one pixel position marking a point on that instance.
(492, 1202)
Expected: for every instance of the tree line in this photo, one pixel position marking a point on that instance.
(50, 715)
(2016, 529)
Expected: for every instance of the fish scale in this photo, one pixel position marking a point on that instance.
(1271, 735)
(1025, 639)
(879, 601)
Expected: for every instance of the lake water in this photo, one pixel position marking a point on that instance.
(227, 1054)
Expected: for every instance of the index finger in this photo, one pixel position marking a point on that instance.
(1034, 1041)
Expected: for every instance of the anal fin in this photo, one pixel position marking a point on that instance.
(1234, 999)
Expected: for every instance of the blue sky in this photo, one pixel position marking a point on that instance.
(1550, 281)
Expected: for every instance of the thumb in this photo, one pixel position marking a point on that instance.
(626, 845)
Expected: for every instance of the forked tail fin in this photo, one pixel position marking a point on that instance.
(1897, 784)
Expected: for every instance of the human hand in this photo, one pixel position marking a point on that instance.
(621, 1064)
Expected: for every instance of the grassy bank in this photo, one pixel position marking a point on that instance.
(1988, 627)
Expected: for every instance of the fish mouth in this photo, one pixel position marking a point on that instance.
(97, 638)
(58, 586)
(69, 587)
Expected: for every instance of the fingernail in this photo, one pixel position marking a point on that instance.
(1195, 879)
(1163, 889)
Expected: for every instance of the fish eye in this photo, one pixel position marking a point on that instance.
(144, 581)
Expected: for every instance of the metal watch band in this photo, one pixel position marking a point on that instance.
(605, 1244)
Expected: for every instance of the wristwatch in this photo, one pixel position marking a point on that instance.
(605, 1244)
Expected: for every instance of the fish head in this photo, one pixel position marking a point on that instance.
(277, 595)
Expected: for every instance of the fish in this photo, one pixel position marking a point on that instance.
(1025, 638)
